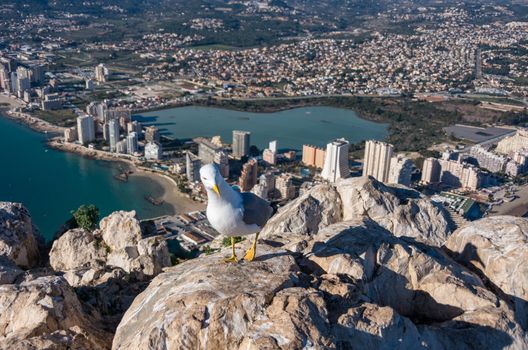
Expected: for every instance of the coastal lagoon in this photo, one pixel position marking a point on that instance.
(292, 128)
(52, 183)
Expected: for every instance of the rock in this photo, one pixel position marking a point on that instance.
(354, 285)
(18, 237)
(8, 270)
(424, 283)
(370, 326)
(86, 258)
(400, 210)
(497, 249)
(296, 319)
(121, 229)
(204, 304)
(46, 311)
(318, 208)
(75, 249)
(485, 328)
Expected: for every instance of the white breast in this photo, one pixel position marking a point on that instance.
(228, 220)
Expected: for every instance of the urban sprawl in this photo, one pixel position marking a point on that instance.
(452, 57)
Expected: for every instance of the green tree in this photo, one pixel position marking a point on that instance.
(86, 217)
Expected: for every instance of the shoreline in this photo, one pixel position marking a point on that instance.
(179, 202)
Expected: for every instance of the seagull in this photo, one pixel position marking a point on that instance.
(233, 213)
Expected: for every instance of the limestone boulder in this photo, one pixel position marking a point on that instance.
(370, 326)
(120, 229)
(204, 304)
(46, 311)
(400, 210)
(88, 258)
(417, 280)
(75, 249)
(304, 216)
(19, 240)
(496, 248)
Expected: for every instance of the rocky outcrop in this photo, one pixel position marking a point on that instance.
(89, 258)
(44, 313)
(206, 305)
(75, 248)
(120, 230)
(318, 208)
(355, 265)
(354, 284)
(402, 211)
(19, 240)
(497, 249)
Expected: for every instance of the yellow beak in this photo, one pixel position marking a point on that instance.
(216, 189)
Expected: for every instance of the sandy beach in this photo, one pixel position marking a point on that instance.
(179, 202)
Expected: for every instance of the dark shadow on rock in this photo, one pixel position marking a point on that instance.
(110, 299)
(457, 335)
(273, 243)
(269, 256)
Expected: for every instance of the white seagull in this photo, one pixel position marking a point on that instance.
(233, 213)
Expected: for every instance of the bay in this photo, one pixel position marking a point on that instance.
(51, 183)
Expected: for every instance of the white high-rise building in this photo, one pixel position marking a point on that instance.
(241, 140)
(431, 171)
(377, 160)
(153, 151)
(400, 171)
(132, 143)
(221, 159)
(85, 129)
(121, 147)
(336, 161)
(273, 145)
(114, 133)
(101, 73)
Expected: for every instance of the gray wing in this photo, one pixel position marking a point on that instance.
(256, 210)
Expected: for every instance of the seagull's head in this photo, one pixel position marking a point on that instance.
(211, 177)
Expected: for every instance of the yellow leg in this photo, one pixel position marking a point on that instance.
(250, 254)
(233, 258)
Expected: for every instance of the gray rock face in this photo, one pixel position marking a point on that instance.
(89, 258)
(353, 285)
(400, 210)
(304, 216)
(8, 270)
(18, 238)
(45, 313)
(497, 249)
(204, 306)
(74, 249)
